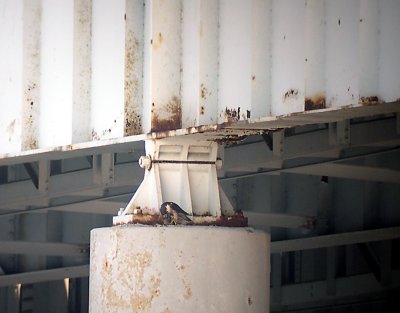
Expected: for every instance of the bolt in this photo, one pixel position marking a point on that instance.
(218, 164)
(145, 162)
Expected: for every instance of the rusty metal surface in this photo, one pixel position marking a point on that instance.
(238, 220)
(222, 133)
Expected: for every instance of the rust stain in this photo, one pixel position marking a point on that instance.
(173, 107)
(204, 92)
(30, 142)
(188, 292)
(155, 283)
(31, 94)
(371, 100)
(315, 102)
(132, 118)
(133, 122)
(187, 131)
(157, 41)
(230, 139)
(142, 302)
(140, 262)
(106, 266)
(238, 220)
(110, 295)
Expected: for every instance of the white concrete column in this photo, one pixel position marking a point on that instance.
(179, 269)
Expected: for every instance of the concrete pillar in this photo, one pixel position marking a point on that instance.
(179, 269)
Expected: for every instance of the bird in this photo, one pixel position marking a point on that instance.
(173, 214)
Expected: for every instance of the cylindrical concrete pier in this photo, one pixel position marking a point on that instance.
(178, 269)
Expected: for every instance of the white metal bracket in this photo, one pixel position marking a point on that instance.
(183, 171)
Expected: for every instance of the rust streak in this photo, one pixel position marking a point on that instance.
(132, 118)
(174, 121)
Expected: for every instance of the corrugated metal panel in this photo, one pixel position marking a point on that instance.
(83, 70)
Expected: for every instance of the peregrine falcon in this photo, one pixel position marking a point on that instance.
(173, 214)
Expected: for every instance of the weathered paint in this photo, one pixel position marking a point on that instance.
(77, 71)
(179, 269)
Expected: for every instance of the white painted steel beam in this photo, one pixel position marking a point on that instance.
(357, 172)
(129, 67)
(316, 292)
(100, 205)
(335, 240)
(42, 248)
(380, 174)
(366, 136)
(79, 183)
(279, 220)
(45, 275)
(257, 154)
(309, 144)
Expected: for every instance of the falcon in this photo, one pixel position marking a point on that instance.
(173, 214)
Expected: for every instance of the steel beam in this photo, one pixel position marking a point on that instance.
(357, 172)
(45, 275)
(253, 155)
(303, 167)
(304, 294)
(335, 240)
(42, 248)
(14, 196)
(279, 220)
(100, 205)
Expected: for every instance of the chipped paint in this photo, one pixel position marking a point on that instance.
(370, 100)
(233, 115)
(290, 94)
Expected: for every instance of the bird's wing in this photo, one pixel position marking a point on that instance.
(178, 209)
(184, 216)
